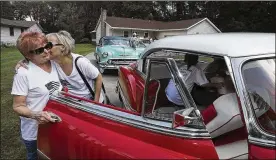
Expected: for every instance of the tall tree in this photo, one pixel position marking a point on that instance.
(70, 21)
(247, 17)
(7, 10)
(80, 18)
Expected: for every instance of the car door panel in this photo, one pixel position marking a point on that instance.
(260, 152)
(140, 85)
(84, 135)
(132, 84)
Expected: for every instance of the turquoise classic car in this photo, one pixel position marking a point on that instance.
(112, 52)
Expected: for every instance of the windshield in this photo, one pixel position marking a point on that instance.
(120, 42)
(259, 77)
(138, 44)
(146, 41)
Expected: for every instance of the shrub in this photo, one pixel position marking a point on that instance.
(85, 40)
(7, 44)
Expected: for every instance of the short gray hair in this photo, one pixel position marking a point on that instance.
(66, 39)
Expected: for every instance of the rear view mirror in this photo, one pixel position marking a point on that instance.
(183, 117)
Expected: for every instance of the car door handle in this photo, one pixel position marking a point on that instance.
(55, 117)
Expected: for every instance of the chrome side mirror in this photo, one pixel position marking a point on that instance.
(184, 117)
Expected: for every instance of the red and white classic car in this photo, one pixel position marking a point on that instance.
(240, 124)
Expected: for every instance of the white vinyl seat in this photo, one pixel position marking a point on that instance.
(228, 116)
(235, 150)
(228, 119)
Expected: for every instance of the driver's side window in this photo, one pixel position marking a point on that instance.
(161, 91)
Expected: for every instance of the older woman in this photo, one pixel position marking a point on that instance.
(31, 88)
(64, 60)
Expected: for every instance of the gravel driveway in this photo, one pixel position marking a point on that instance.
(109, 80)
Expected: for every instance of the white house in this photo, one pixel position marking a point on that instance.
(117, 26)
(11, 29)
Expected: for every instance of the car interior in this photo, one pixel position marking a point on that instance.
(224, 121)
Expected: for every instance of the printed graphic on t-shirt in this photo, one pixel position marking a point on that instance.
(52, 86)
(65, 83)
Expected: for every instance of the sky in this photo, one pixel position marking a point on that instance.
(28, 19)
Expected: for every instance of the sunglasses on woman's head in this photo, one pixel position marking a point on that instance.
(40, 50)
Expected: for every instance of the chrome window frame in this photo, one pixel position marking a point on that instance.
(256, 134)
(129, 119)
(180, 85)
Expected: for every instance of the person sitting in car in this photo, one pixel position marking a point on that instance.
(222, 76)
(193, 76)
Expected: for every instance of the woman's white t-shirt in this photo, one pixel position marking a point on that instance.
(74, 82)
(37, 85)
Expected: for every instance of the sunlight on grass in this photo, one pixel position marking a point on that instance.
(84, 49)
(11, 146)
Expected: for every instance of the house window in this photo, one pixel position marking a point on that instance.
(125, 33)
(11, 31)
(146, 35)
(22, 30)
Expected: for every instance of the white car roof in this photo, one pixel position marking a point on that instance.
(229, 44)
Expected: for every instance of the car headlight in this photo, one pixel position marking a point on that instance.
(105, 54)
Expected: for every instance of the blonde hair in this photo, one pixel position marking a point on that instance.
(66, 39)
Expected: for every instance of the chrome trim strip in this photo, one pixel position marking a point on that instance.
(113, 66)
(42, 155)
(127, 58)
(147, 53)
(131, 119)
(261, 142)
(148, 62)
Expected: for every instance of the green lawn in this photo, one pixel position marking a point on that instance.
(11, 146)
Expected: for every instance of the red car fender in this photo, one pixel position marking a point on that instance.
(257, 152)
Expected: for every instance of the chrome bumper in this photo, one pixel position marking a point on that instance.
(115, 63)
